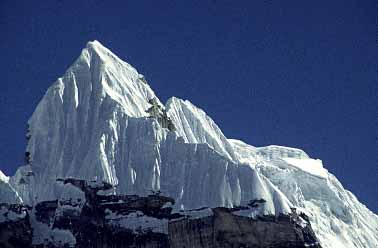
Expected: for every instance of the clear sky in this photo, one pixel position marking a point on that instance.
(294, 73)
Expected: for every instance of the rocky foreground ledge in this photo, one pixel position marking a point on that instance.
(101, 220)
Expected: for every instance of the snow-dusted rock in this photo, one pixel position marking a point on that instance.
(137, 222)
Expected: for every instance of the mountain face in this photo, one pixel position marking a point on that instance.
(97, 122)
(7, 193)
(119, 221)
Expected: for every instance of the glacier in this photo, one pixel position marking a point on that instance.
(92, 124)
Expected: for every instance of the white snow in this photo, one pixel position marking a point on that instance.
(3, 177)
(199, 213)
(92, 123)
(60, 237)
(138, 222)
(273, 151)
(45, 234)
(250, 213)
(7, 192)
(167, 205)
(73, 194)
(245, 154)
(311, 166)
(196, 127)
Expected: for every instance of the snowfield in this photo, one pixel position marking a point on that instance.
(92, 123)
(311, 166)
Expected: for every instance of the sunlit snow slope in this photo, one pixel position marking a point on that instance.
(7, 193)
(92, 123)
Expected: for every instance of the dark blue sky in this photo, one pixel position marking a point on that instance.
(294, 73)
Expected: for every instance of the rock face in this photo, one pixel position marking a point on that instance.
(102, 121)
(144, 221)
(15, 228)
(224, 229)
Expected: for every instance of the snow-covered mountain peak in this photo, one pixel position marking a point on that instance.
(95, 45)
(96, 48)
(96, 122)
(98, 77)
(103, 55)
(83, 114)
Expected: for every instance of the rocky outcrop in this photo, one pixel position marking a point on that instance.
(113, 220)
(15, 229)
(160, 114)
(102, 220)
(225, 229)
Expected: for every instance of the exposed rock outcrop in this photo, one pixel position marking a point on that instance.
(102, 220)
(15, 228)
(225, 229)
